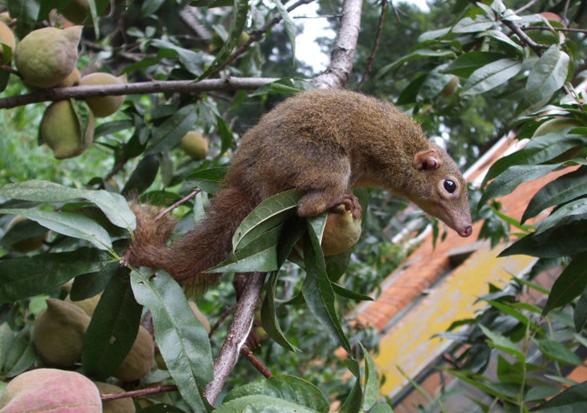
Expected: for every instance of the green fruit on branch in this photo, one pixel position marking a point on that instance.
(45, 57)
(341, 233)
(125, 405)
(72, 79)
(62, 132)
(139, 360)
(6, 38)
(50, 390)
(103, 106)
(195, 145)
(58, 333)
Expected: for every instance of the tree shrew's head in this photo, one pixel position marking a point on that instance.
(440, 189)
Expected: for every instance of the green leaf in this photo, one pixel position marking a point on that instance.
(88, 285)
(289, 25)
(353, 401)
(467, 63)
(518, 315)
(560, 191)
(541, 149)
(569, 285)
(371, 386)
(269, 213)
(109, 128)
(289, 388)
(113, 329)
(572, 400)
(381, 407)
(491, 76)
(505, 39)
(546, 77)
(503, 343)
(473, 25)
(261, 404)
(114, 206)
(69, 224)
(150, 6)
(16, 351)
(558, 352)
(353, 295)
(290, 235)
(142, 177)
(29, 276)
(169, 133)
(566, 214)
(514, 176)
(552, 243)
(258, 255)
(317, 290)
(240, 11)
(580, 314)
(417, 54)
(181, 338)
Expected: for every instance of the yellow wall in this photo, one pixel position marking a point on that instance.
(408, 343)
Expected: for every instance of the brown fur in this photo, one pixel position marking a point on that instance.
(322, 143)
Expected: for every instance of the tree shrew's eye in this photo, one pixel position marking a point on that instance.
(450, 186)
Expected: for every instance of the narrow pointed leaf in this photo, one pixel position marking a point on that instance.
(113, 329)
(69, 224)
(29, 276)
(491, 76)
(562, 190)
(182, 339)
(114, 206)
(317, 290)
(265, 214)
(569, 285)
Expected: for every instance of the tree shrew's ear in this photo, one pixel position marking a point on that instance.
(427, 160)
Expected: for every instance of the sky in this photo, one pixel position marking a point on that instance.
(307, 49)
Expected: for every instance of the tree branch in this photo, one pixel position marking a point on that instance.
(341, 59)
(189, 15)
(236, 337)
(169, 86)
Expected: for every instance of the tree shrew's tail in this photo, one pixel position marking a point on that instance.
(206, 245)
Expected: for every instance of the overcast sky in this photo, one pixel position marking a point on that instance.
(307, 49)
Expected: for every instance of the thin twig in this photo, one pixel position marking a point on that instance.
(258, 364)
(225, 313)
(371, 59)
(537, 47)
(565, 12)
(176, 204)
(257, 35)
(189, 16)
(527, 6)
(10, 69)
(164, 388)
(236, 337)
(558, 29)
